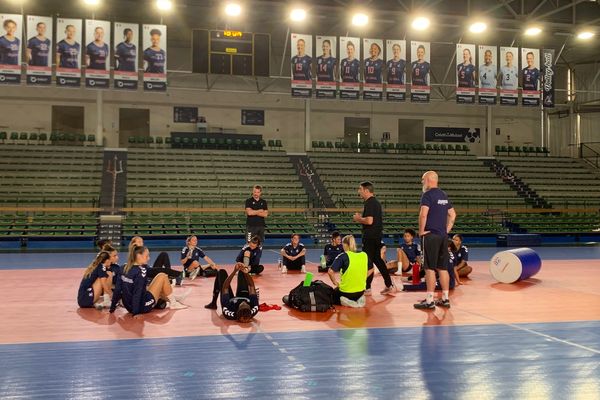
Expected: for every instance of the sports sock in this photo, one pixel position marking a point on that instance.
(444, 294)
(429, 297)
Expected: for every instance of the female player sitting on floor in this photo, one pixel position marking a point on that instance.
(131, 287)
(190, 258)
(293, 255)
(242, 306)
(462, 256)
(97, 282)
(161, 264)
(250, 256)
(331, 251)
(354, 268)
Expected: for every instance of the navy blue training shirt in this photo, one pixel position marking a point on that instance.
(131, 289)
(462, 254)
(254, 255)
(293, 251)
(439, 204)
(331, 252)
(412, 251)
(196, 255)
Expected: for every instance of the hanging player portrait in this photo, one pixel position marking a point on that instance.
(466, 71)
(38, 51)
(373, 69)
(396, 70)
(68, 52)
(530, 76)
(301, 62)
(10, 48)
(327, 64)
(97, 54)
(509, 76)
(125, 40)
(488, 74)
(155, 57)
(350, 68)
(420, 67)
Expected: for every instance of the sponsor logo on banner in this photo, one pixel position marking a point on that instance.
(548, 78)
(452, 135)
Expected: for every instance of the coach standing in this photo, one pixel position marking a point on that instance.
(256, 212)
(372, 235)
(436, 219)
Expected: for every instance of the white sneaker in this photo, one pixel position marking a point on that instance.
(362, 301)
(194, 274)
(181, 297)
(390, 291)
(173, 282)
(99, 305)
(398, 273)
(283, 269)
(303, 269)
(368, 292)
(351, 303)
(177, 306)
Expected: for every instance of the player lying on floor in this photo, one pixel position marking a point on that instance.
(131, 287)
(241, 306)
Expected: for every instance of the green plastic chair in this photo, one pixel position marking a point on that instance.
(278, 143)
(168, 140)
(91, 138)
(159, 140)
(195, 142)
(131, 140)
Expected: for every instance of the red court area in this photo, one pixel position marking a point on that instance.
(43, 306)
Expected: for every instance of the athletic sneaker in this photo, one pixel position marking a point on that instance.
(177, 306)
(182, 296)
(303, 269)
(194, 274)
(368, 292)
(348, 303)
(173, 282)
(392, 290)
(424, 305)
(283, 269)
(443, 303)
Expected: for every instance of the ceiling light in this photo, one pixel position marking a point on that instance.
(360, 19)
(533, 31)
(585, 35)
(298, 14)
(233, 9)
(164, 5)
(420, 23)
(478, 27)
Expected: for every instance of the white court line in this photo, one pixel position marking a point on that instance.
(534, 332)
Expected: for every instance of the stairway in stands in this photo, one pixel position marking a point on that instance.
(312, 182)
(523, 190)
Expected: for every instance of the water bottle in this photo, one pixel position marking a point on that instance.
(416, 278)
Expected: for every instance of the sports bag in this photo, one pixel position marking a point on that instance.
(316, 297)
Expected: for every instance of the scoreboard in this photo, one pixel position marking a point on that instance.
(230, 52)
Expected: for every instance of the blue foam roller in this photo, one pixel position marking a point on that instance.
(515, 265)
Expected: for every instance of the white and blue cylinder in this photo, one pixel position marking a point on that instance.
(515, 265)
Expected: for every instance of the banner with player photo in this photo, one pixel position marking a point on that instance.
(125, 40)
(509, 76)
(154, 42)
(97, 54)
(38, 52)
(420, 56)
(373, 69)
(396, 70)
(10, 48)
(548, 77)
(68, 52)
(301, 48)
(350, 68)
(327, 64)
(488, 74)
(465, 73)
(530, 76)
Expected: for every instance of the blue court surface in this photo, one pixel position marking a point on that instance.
(525, 361)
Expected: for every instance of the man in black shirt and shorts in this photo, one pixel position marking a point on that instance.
(256, 212)
(372, 235)
(436, 220)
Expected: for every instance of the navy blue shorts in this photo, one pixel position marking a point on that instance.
(149, 303)
(86, 299)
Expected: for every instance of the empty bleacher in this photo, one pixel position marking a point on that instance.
(558, 222)
(397, 179)
(563, 182)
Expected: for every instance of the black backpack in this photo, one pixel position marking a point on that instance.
(316, 297)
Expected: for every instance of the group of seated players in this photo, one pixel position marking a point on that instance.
(140, 288)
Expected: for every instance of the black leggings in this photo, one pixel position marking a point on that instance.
(163, 264)
(294, 265)
(241, 290)
(373, 249)
(352, 296)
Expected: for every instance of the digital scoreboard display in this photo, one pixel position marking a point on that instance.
(229, 52)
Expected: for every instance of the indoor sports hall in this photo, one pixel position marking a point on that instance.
(271, 199)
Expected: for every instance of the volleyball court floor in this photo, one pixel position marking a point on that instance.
(536, 339)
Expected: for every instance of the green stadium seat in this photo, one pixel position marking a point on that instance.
(203, 143)
(278, 143)
(545, 151)
(436, 148)
(159, 140)
(168, 140)
(271, 143)
(185, 142)
(33, 136)
(262, 144)
(497, 149)
(354, 146)
(149, 139)
(443, 148)
(81, 138)
(23, 136)
(401, 147)
(131, 140)
(53, 137)
(140, 139)
(91, 139)
(195, 142)
(43, 137)
(465, 148)
(315, 144)
(428, 148)
(329, 145)
(229, 143)
(70, 137)
(503, 149)
(212, 143)
(221, 144)
(177, 142)
(374, 146)
(511, 150)
(344, 145)
(451, 148)
(14, 136)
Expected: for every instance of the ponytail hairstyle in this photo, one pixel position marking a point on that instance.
(135, 251)
(349, 242)
(100, 258)
(108, 248)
